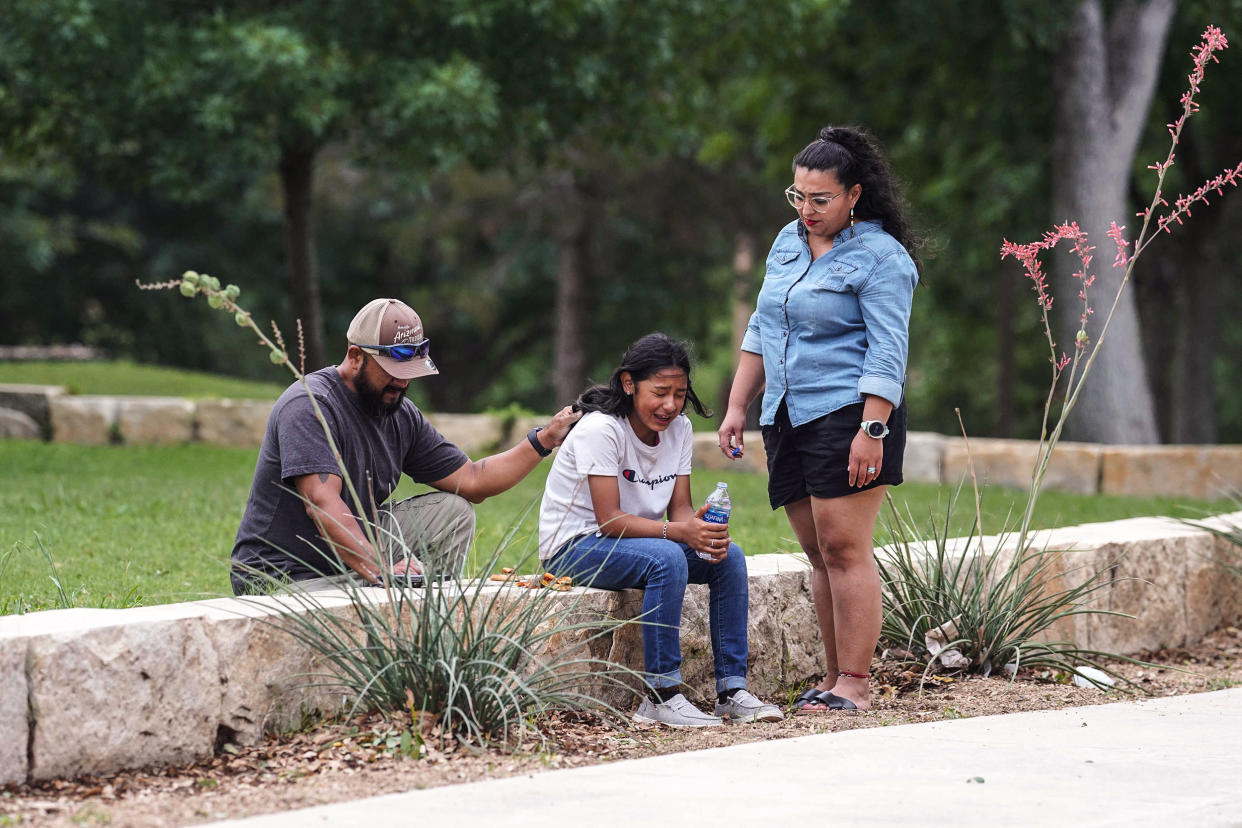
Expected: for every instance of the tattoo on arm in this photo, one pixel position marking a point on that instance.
(323, 477)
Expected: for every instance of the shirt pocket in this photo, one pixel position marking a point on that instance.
(782, 262)
(836, 276)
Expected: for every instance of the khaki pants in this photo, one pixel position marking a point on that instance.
(435, 530)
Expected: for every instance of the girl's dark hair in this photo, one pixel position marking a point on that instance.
(856, 158)
(644, 357)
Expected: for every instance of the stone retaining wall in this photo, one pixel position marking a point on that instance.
(1209, 472)
(93, 691)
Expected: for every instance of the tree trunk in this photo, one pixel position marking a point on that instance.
(742, 304)
(570, 360)
(1005, 342)
(1105, 77)
(297, 169)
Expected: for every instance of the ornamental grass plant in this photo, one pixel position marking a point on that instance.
(993, 608)
(478, 661)
(950, 607)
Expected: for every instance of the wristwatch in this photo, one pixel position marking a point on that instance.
(533, 437)
(875, 428)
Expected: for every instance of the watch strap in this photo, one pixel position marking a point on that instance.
(533, 436)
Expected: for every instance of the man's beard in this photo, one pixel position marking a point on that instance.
(371, 397)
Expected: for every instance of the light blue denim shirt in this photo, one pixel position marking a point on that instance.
(833, 329)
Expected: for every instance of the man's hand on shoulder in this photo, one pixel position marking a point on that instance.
(555, 432)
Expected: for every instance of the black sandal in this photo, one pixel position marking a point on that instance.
(811, 696)
(836, 702)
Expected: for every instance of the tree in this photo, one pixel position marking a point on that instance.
(200, 98)
(1106, 74)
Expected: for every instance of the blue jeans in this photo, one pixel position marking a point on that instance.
(662, 568)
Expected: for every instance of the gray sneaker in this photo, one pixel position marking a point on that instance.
(743, 707)
(676, 712)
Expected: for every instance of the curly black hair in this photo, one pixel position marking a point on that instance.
(855, 157)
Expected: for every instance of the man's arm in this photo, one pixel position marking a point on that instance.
(478, 480)
(337, 524)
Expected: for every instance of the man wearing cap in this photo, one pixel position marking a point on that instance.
(301, 521)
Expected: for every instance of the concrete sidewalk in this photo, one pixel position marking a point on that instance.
(1168, 761)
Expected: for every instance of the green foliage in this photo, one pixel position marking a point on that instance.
(989, 606)
(468, 656)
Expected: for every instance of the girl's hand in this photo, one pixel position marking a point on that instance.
(866, 459)
(710, 538)
(729, 435)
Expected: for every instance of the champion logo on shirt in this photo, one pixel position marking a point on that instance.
(632, 476)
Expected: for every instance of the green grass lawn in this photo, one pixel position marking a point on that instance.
(118, 526)
(132, 379)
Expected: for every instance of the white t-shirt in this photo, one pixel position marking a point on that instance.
(601, 444)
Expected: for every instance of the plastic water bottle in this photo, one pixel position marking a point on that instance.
(719, 505)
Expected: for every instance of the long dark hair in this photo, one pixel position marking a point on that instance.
(644, 357)
(856, 158)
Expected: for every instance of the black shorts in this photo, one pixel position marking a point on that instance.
(813, 459)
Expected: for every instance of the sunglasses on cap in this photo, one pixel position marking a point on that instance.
(401, 353)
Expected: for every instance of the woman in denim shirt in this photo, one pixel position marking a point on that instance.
(827, 346)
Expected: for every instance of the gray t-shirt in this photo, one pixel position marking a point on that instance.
(276, 534)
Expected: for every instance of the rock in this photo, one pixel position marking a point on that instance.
(35, 401)
(159, 421)
(14, 727)
(921, 463)
(14, 425)
(239, 423)
(1185, 471)
(1075, 467)
(707, 454)
(87, 420)
(132, 688)
(264, 669)
(475, 434)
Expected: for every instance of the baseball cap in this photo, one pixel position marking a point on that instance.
(391, 322)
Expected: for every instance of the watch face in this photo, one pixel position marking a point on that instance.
(875, 428)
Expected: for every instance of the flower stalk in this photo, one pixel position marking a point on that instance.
(1127, 256)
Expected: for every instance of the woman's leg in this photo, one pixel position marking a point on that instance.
(729, 607)
(802, 521)
(845, 527)
(656, 566)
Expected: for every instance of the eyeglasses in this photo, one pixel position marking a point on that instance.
(819, 203)
(401, 353)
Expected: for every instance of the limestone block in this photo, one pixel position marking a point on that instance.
(267, 675)
(1186, 471)
(520, 427)
(1147, 563)
(238, 423)
(35, 401)
(161, 421)
(475, 434)
(1075, 467)
(86, 420)
(14, 728)
(921, 463)
(14, 425)
(707, 454)
(120, 696)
